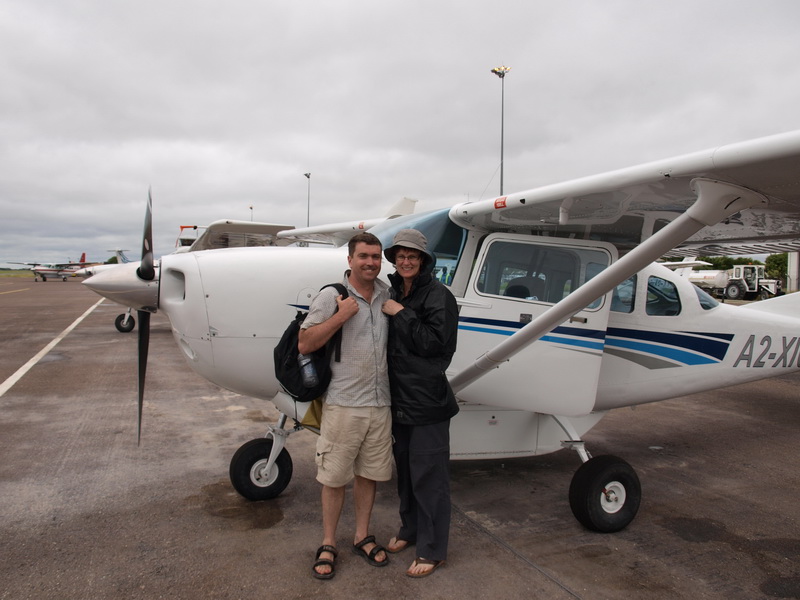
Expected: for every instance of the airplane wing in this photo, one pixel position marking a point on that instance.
(629, 205)
(339, 234)
(239, 234)
(736, 196)
(685, 264)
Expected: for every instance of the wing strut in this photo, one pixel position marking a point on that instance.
(716, 201)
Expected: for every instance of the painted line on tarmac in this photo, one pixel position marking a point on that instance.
(9, 383)
(15, 291)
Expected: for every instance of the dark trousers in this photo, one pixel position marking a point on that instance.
(422, 455)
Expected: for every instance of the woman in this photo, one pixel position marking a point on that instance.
(422, 341)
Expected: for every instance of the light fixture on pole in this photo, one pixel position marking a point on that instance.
(251, 213)
(308, 201)
(501, 73)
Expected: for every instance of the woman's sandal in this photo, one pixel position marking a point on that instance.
(325, 562)
(424, 561)
(370, 557)
(396, 542)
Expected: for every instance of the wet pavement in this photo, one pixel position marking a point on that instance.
(85, 513)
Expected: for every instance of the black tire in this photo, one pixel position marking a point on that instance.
(605, 494)
(122, 326)
(247, 464)
(734, 291)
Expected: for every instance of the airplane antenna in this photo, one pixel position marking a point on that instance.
(308, 201)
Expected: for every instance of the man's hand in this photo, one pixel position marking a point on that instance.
(316, 336)
(347, 307)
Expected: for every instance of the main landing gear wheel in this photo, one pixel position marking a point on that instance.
(124, 326)
(605, 494)
(248, 475)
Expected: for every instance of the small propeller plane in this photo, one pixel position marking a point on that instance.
(56, 270)
(564, 313)
(95, 268)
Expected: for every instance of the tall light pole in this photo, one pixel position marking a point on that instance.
(501, 73)
(308, 201)
(251, 213)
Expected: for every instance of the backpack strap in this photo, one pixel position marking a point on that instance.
(337, 337)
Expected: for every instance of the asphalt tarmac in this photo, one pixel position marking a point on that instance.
(85, 513)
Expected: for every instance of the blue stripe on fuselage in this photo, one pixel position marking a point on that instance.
(689, 348)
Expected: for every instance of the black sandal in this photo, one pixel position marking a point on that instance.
(370, 557)
(325, 562)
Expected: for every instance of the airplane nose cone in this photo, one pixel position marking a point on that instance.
(123, 286)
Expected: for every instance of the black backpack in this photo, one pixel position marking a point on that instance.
(287, 369)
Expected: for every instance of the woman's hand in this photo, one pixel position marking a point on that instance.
(391, 307)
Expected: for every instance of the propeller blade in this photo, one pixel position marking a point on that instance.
(146, 270)
(144, 345)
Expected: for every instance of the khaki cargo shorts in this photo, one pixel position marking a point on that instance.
(354, 441)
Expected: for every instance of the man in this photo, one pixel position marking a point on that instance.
(422, 341)
(355, 434)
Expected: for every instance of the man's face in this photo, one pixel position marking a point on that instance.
(365, 264)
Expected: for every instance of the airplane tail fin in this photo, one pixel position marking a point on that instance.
(404, 206)
(83, 258)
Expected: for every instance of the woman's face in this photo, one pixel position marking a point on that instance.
(407, 262)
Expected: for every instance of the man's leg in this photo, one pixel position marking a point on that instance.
(332, 502)
(364, 499)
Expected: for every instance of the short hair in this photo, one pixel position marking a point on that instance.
(364, 237)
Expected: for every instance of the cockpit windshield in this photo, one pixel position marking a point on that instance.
(445, 238)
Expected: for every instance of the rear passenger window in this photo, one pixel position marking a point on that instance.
(662, 298)
(623, 298)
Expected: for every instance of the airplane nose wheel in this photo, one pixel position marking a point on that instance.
(605, 494)
(249, 475)
(124, 323)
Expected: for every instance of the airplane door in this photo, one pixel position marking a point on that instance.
(517, 278)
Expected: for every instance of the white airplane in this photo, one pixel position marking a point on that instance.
(564, 315)
(56, 270)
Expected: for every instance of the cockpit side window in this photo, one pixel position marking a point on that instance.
(538, 272)
(662, 298)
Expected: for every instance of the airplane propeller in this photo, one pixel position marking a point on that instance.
(146, 271)
(135, 286)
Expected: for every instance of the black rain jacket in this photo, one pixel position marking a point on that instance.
(422, 341)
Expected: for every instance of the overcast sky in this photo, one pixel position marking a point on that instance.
(219, 106)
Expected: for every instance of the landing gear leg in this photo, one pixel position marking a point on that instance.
(605, 492)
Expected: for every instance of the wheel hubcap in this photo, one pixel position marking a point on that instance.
(612, 499)
(260, 476)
